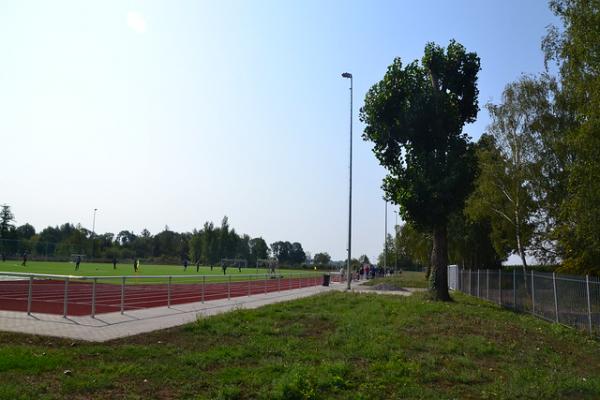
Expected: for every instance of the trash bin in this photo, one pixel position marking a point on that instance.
(326, 279)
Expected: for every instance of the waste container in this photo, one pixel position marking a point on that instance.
(326, 279)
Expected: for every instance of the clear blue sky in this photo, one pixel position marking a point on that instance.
(173, 113)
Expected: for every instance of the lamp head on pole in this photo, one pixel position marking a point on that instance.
(347, 75)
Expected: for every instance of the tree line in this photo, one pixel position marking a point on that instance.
(209, 245)
(529, 186)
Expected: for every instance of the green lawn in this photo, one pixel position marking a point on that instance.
(407, 279)
(332, 346)
(100, 269)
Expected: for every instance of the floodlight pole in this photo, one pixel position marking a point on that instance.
(93, 232)
(396, 242)
(349, 76)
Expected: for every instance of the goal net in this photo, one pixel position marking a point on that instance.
(269, 263)
(234, 262)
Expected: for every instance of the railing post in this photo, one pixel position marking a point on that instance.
(66, 297)
(478, 282)
(229, 288)
(94, 298)
(555, 296)
(500, 286)
(532, 294)
(203, 284)
(169, 292)
(514, 289)
(29, 295)
(589, 306)
(122, 295)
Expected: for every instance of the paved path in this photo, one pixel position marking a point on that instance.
(115, 325)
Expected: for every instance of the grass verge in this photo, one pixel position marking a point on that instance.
(337, 345)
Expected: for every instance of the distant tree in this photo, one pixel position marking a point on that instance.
(297, 255)
(25, 231)
(322, 259)
(415, 117)
(124, 238)
(6, 219)
(281, 251)
(195, 244)
(259, 250)
(243, 247)
(364, 259)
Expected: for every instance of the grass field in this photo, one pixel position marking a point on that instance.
(407, 279)
(99, 269)
(333, 346)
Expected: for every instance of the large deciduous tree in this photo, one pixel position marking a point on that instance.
(576, 48)
(415, 118)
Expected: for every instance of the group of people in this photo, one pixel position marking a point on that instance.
(367, 271)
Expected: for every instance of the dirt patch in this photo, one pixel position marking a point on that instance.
(387, 287)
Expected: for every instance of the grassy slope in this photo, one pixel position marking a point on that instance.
(337, 345)
(407, 279)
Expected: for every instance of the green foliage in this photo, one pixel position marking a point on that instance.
(576, 50)
(288, 253)
(415, 116)
(322, 259)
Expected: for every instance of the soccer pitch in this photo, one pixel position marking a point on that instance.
(106, 269)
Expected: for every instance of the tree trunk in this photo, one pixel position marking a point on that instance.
(521, 251)
(438, 279)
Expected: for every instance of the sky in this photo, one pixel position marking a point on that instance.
(179, 112)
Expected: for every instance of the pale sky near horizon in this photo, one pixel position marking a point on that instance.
(178, 112)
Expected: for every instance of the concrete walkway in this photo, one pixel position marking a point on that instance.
(116, 325)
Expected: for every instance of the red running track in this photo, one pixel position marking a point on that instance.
(48, 295)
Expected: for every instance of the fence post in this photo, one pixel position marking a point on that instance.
(203, 284)
(532, 294)
(478, 282)
(229, 288)
(94, 298)
(487, 284)
(29, 295)
(555, 296)
(122, 295)
(169, 292)
(514, 289)
(66, 297)
(500, 286)
(589, 307)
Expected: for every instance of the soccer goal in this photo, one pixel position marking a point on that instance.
(238, 263)
(269, 263)
(75, 257)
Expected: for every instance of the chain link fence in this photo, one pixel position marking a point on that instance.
(565, 299)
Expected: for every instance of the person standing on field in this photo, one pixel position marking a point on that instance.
(197, 265)
(24, 263)
(77, 262)
(114, 262)
(185, 264)
(136, 264)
